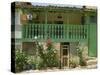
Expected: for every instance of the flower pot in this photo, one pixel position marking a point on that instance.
(33, 66)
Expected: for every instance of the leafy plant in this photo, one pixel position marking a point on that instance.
(81, 58)
(48, 56)
(72, 64)
(20, 61)
(31, 62)
(73, 61)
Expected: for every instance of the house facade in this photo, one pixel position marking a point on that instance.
(68, 27)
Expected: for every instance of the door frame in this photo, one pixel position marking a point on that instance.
(64, 56)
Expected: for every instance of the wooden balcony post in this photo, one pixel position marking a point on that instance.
(46, 16)
(87, 19)
(46, 26)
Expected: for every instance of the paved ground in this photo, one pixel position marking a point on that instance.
(50, 70)
(92, 64)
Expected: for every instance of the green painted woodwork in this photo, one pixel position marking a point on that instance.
(92, 40)
(55, 31)
(92, 35)
(62, 33)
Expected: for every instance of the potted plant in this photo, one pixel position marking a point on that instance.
(31, 62)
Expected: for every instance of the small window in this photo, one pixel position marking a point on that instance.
(93, 19)
(58, 22)
(29, 48)
(59, 17)
(65, 51)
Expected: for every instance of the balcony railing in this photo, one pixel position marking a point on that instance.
(55, 31)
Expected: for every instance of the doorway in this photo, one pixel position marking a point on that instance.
(64, 53)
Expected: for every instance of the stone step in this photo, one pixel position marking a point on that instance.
(92, 61)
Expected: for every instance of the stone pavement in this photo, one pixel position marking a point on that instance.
(91, 64)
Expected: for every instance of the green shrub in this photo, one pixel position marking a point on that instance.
(82, 61)
(73, 62)
(48, 56)
(20, 61)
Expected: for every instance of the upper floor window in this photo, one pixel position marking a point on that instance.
(58, 22)
(59, 16)
(93, 19)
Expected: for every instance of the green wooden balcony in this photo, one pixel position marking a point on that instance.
(56, 32)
